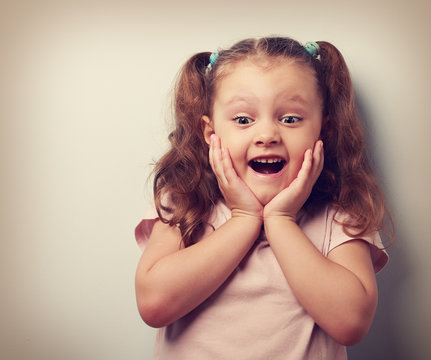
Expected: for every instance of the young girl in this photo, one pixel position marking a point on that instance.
(263, 243)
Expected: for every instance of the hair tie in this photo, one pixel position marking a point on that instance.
(312, 48)
(213, 60)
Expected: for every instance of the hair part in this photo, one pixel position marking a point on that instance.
(185, 175)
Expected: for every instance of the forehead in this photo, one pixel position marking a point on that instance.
(267, 78)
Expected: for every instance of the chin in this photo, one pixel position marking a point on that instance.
(265, 198)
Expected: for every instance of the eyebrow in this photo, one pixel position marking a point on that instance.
(296, 98)
(251, 99)
(241, 98)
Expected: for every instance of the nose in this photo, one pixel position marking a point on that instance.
(267, 134)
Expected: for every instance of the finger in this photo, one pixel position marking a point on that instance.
(304, 172)
(318, 158)
(228, 168)
(216, 158)
(211, 152)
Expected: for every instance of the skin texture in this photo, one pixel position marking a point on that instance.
(260, 114)
(255, 114)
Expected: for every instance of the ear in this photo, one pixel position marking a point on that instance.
(207, 128)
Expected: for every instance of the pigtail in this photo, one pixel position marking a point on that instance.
(183, 173)
(185, 188)
(190, 92)
(348, 173)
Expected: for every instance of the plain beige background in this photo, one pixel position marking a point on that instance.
(83, 102)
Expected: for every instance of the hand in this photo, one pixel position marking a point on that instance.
(291, 199)
(238, 196)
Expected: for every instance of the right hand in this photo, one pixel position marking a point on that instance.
(291, 199)
(238, 196)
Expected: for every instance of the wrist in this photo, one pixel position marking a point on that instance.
(279, 218)
(242, 214)
(279, 226)
(279, 215)
(246, 225)
(251, 219)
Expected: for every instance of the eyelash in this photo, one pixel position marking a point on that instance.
(290, 120)
(237, 119)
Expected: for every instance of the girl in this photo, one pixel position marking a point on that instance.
(260, 246)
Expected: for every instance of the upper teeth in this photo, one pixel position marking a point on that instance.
(268, 161)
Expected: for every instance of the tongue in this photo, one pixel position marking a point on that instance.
(267, 168)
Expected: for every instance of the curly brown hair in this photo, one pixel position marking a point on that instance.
(347, 180)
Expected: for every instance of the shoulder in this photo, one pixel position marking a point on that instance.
(379, 256)
(145, 227)
(218, 216)
(325, 229)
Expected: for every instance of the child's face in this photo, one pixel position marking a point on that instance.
(267, 117)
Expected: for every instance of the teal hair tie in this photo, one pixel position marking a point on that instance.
(213, 58)
(312, 48)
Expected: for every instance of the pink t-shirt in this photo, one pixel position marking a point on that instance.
(254, 314)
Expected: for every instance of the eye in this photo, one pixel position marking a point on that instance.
(242, 120)
(290, 119)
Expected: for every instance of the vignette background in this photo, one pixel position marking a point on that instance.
(84, 97)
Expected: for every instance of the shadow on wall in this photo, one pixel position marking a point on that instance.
(383, 341)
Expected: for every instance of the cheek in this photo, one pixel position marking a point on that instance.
(300, 143)
(296, 155)
(226, 140)
(298, 147)
(236, 152)
(233, 144)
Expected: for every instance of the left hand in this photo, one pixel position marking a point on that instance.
(290, 200)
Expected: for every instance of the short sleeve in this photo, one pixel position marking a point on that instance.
(145, 227)
(379, 256)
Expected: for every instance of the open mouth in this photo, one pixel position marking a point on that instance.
(267, 166)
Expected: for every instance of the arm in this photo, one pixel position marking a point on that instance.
(170, 281)
(340, 291)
